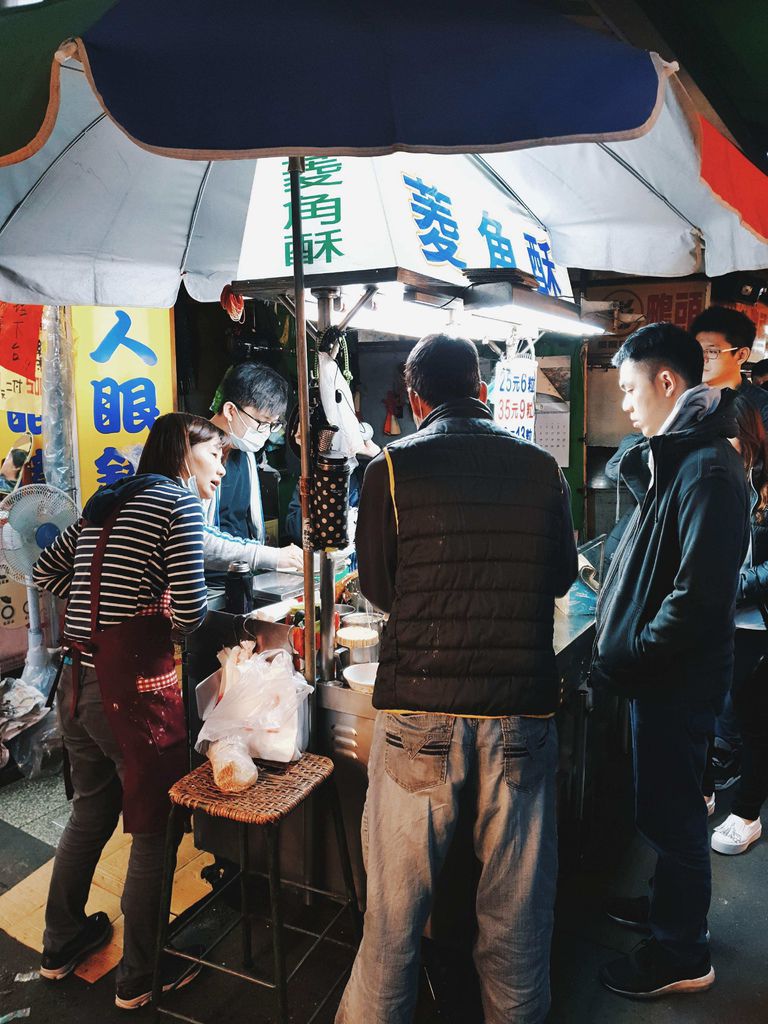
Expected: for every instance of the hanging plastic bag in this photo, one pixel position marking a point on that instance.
(265, 707)
(39, 750)
(28, 729)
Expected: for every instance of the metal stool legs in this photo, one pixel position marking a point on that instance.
(281, 981)
(245, 914)
(280, 977)
(344, 858)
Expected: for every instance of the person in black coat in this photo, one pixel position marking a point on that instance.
(749, 691)
(664, 639)
(726, 337)
(629, 466)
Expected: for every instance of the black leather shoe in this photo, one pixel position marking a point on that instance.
(649, 972)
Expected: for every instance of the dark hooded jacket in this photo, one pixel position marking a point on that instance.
(103, 503)
(753, 582)
(629, 465)
(665, 616)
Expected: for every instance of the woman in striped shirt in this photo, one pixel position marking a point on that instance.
(130, 569)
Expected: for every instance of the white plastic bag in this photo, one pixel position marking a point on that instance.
(265, 707)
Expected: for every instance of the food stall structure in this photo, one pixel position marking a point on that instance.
(343, 718)
(344, 730)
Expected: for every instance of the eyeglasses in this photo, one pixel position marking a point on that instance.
(710, 354)
(262, 425)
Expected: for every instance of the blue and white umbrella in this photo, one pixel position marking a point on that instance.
(147, 180)
(156, 139)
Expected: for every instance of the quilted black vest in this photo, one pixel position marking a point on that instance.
(479, 516)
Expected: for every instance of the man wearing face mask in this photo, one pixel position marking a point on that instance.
(249, 404)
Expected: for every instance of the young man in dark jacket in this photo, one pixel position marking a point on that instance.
(465, 537)
(665, 629)
(726, 337)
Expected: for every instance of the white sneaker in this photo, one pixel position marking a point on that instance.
(735, 835)
(710, 802)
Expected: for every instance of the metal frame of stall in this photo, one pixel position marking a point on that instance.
(326, 288)
(290, 292)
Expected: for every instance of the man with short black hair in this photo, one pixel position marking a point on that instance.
(465, 537)
(664, 639)
(726, 337)
(759, 374)
(249, 404)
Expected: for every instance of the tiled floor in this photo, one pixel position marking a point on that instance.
(38, 807)
(584, 938)
(40, 810)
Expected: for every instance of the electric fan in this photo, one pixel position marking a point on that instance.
(30, 519)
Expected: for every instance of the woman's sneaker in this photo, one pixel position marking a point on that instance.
(97, 932)
(735, 835)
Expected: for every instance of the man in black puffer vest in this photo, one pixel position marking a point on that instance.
(465, 537)
(664, 639)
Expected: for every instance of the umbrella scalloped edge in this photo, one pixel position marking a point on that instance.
(75, 49)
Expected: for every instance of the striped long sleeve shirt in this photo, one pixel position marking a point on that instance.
(155, 546)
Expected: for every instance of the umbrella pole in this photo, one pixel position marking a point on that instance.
(295, 164)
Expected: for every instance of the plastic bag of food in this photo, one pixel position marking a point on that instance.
(233, 767)
(232, 661)
(265, 706)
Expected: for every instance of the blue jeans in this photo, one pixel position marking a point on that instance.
(670, 753)
(418, 767)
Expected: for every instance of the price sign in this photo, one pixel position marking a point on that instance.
(514, 396)
(19, 337)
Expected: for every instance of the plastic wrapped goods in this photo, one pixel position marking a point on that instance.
(233, 767)
(262, 712)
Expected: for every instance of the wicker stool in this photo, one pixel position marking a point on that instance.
(279, 790)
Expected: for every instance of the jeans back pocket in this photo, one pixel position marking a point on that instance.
(525, 751)
(416, 750)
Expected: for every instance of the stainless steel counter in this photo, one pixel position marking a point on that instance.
(574, 621)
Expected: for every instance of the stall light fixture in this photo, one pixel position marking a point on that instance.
(392, 311)
(530, 323)
(529, 311)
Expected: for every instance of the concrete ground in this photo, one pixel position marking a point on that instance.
(32, 814)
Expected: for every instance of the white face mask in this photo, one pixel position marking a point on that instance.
(252, 440)
(190, 484)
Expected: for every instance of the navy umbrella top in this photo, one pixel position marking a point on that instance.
(192, 78)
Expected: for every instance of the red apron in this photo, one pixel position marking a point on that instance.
(142, 702)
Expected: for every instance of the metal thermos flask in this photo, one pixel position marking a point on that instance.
(330, 501)
(238, 589)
